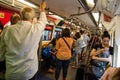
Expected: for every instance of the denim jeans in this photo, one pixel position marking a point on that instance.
(61, 64)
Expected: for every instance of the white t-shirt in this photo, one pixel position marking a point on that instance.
(19, 45)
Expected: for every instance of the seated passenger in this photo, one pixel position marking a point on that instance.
(51, 59)
(85, 39)
(102, 54)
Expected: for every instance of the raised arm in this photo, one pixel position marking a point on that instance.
(42, 18)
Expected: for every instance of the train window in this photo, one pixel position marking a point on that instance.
(58, 32)
(60, 23)
(47, 34)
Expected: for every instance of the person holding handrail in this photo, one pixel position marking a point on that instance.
(19, 45)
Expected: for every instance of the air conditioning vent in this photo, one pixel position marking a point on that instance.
(111, 7)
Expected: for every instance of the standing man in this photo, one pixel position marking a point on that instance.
(19, 44)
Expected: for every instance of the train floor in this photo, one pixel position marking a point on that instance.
(71, 74)
(51, 76)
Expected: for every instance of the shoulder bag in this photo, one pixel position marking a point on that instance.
(66, 43)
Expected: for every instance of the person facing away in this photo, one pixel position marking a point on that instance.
(85, 39)
(14, 19)
(19, 44)
(78, 49)
(103, 52)
(63, 54)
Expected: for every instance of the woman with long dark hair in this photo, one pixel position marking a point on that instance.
(63, 55)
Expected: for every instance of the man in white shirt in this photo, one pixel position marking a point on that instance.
(19, 44)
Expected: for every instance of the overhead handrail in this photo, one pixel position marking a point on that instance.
(85, 11)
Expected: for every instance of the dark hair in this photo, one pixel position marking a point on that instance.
(53, 41)
(105, 34)
(14, 18)
(66, 32)
(77, 34)
(81, 31)
(1, 25)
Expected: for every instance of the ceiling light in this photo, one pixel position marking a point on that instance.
(57, 17)
(100, 25)
(27, 3)
(90, 3)
(96, 16)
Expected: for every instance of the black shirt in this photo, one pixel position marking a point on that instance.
(97, 47)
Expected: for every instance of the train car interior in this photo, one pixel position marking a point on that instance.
(91, 16)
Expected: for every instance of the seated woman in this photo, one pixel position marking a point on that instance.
(102, 53)
(48, 55)
(52, 58)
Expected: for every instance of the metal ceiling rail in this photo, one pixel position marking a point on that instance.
(87, 10)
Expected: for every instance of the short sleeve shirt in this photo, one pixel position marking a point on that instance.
(109, 52)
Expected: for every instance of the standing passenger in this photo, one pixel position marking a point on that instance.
(13, 20)
(85, 39)
(19, 44)
(78, 49)
(63, 46)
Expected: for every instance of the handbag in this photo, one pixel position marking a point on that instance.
(98, 67)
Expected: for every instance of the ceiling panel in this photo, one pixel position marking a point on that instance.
(65, 8)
